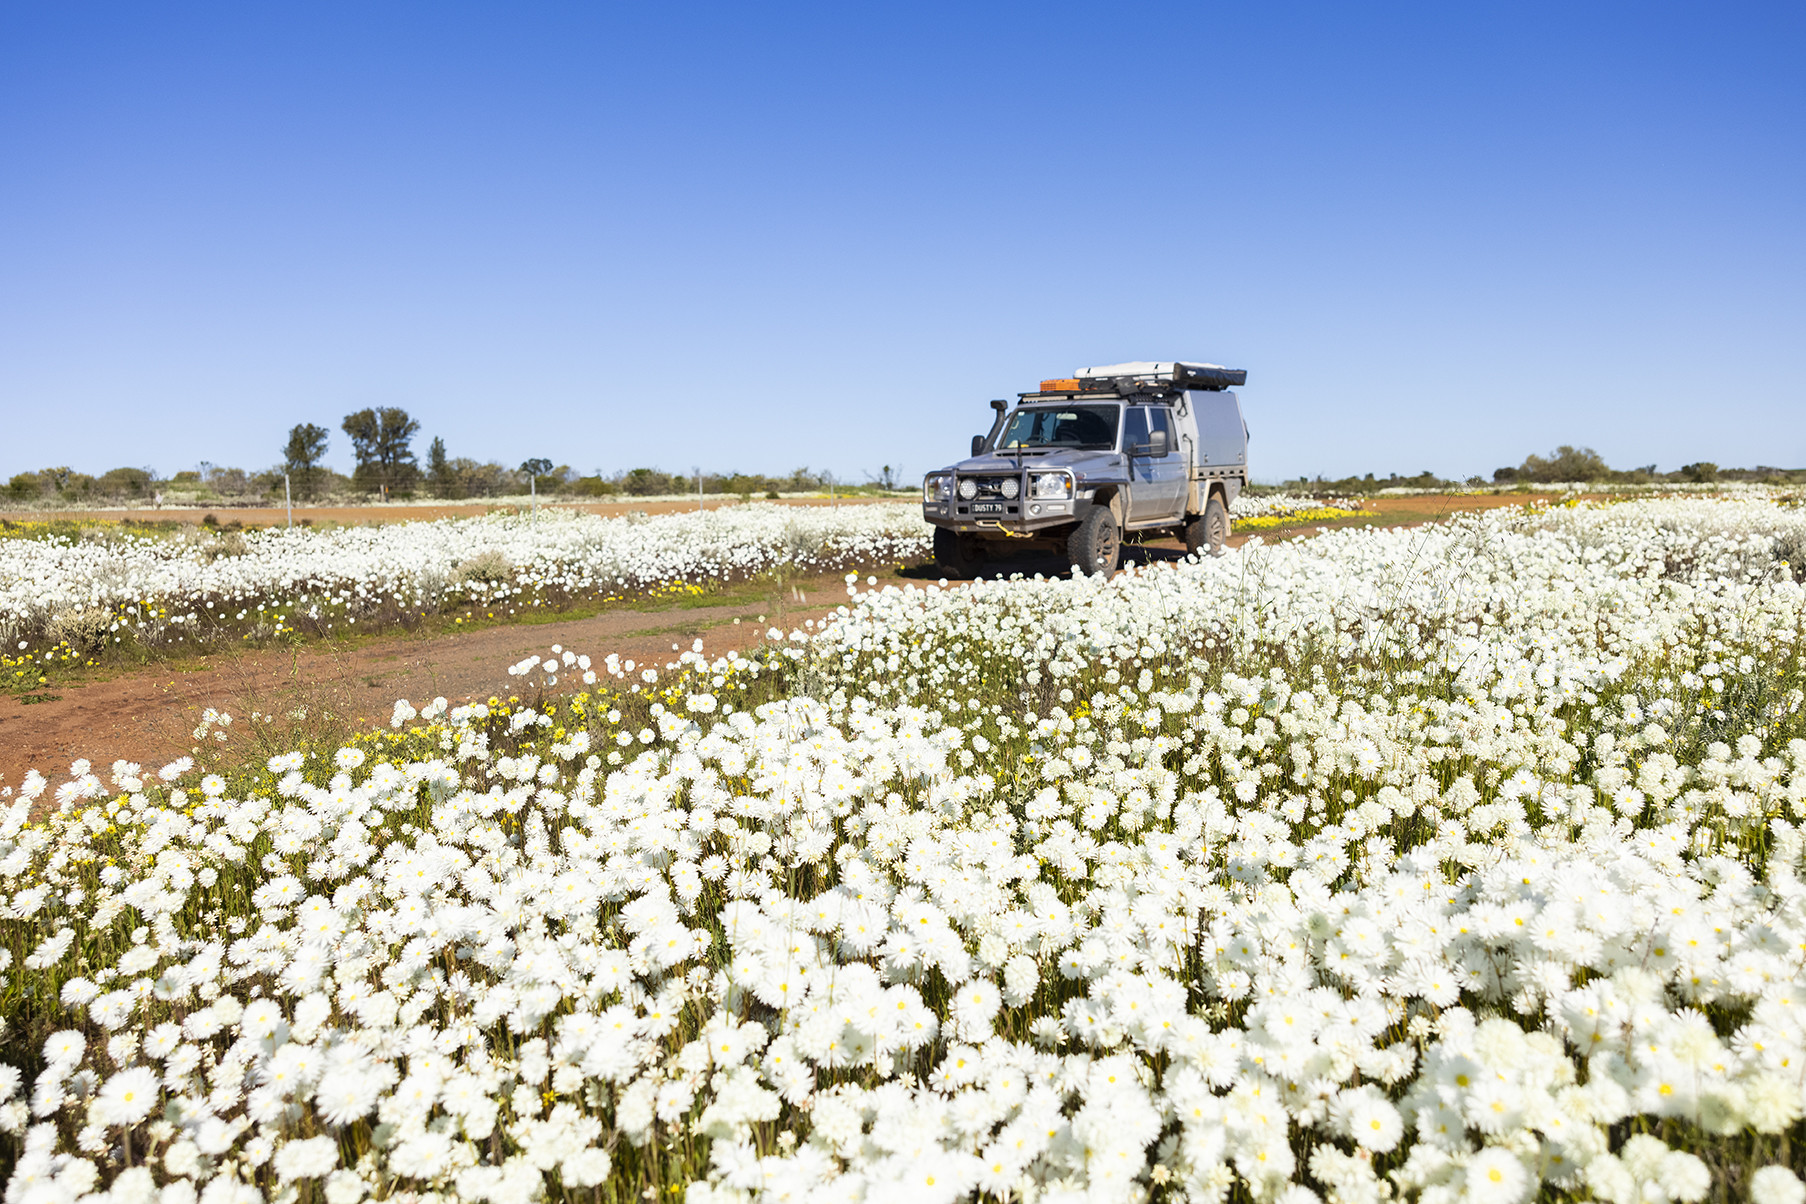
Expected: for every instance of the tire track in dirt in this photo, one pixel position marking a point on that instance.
(148, 715)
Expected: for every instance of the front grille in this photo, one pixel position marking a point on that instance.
(990, 502)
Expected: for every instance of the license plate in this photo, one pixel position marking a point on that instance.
(987, 507)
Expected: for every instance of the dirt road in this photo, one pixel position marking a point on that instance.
(148, 715)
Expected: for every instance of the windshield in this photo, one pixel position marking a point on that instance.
(1085, 426)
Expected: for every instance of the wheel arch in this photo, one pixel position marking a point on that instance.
(1199, 493)
(1110, 497)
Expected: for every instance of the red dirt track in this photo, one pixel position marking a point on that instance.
(148, 715)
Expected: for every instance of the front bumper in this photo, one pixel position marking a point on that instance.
(999, 501)
(1022, 516)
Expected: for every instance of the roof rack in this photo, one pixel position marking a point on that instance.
(1147, 376)
(1163, 376)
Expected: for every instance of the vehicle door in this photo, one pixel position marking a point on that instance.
(1141, 469)
(1154, 481)
(1170, 473)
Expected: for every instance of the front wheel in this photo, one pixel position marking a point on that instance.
(959, 556)
(1096, 545)
(1210, 529)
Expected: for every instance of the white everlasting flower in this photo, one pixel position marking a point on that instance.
(1776, 1185)
(1495, 1176)
(127, 1097)
(260, 1018)
(65, 1048)
(347, 1095)
(78, 991)
(1375, 1124)
(310, 1158)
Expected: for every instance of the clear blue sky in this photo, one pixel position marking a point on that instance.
(753, 237)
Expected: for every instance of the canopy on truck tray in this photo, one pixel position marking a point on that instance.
(1162, 375)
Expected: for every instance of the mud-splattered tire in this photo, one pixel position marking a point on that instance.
(1210, 530)
(1096, 546)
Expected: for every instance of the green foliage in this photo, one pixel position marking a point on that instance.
(381, 440)
(440, 478)
(596, 486)
(301, 458)
(1702, 473)
(61, 482)
(125, 482)
(1565, 463)
(25, 487)
(1570, 464)
(1368, 483)
(653, 482)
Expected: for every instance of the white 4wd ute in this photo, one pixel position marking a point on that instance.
(1149, 447)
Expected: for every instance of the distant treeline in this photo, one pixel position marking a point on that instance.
(1564, 465)
(386, 467)
(459, 478)
(382, 443)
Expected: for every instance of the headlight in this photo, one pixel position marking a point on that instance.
(968, 489)
(934, 488)
(1010, 487)
(1051, 485)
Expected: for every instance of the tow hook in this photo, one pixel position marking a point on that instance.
(1012, 534)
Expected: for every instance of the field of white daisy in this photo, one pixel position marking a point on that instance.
(1457, 863)
(105, 595)
(202, 588)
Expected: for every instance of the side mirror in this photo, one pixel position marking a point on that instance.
(1155, 446)
(978, 445)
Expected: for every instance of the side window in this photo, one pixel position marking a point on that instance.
(1160, 419)
(1134, 427)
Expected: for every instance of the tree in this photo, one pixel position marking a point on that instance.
(25, 486)
(302, 455)
(441, 476)
(380, 440)
(645, 482)
(1565, 464)
(1702, 473)
(132, 482)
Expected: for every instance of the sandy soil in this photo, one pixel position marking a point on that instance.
(148, 715)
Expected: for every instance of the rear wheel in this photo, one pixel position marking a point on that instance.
(957, 555)
(1210, 530)
(1096, 546)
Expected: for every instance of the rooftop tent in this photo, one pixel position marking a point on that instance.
(1165, 374)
